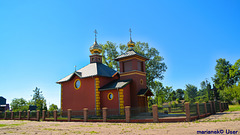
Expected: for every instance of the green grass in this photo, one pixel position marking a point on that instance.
(50, 129)
(221, 120)
(224, 120)
(3, 125)
(92, 132)
(10, 132)
(177, 113)
(82, 126)
(77, 118)
(196, 121)
(234, 108)
(55, 125)
(76, 132)
(58, 118)
(99, 125)
(19, 124)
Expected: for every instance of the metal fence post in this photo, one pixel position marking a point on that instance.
(169, 109)
(48, 114)
(12, 116)
(222, 104)
(220, 107)
(211, 108)
(5, 115)
(214, 107)
(20, 115)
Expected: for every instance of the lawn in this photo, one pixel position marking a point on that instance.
(234, 108)
(19, 124)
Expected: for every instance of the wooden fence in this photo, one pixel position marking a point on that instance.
(180, 113)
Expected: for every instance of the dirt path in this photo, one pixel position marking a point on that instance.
(222, 121)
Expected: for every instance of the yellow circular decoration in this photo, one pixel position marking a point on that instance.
(77, 84)
(141, 81)
(110, 96)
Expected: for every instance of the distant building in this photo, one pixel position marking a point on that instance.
(3, 105)
(32, 107)
(2, 101)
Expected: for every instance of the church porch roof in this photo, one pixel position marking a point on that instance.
(144, 92)
(116, 84)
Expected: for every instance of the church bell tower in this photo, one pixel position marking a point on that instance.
(132, 66)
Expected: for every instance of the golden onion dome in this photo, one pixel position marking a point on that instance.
(131, 44)
(95, 48)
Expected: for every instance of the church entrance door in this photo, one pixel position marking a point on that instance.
(142, 103)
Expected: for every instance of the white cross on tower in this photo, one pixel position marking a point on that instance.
(75, 68)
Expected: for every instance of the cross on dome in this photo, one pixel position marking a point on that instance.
(95, 31)
(130, 33)
(130, 44)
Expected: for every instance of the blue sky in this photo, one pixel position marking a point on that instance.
(41, 41)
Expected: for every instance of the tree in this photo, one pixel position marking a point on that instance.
(53, 107)
(39, 100)
(190, 93)
(173, 96)
(235, 71)
(159, 94)
(180, 94)
(19, 104)
(109, 53)
(222, 77)
(226, 77)
(162, 94)
(155, 67)
(233, 92)
(210, 92)
(167, 93)
(204, 92)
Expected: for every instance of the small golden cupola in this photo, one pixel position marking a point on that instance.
(96, 51)
(95, 48)
(130, 44)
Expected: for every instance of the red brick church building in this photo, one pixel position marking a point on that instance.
(96, 85)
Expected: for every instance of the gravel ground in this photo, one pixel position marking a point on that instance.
(229, 121)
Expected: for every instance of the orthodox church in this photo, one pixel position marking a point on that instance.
(96, 85)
